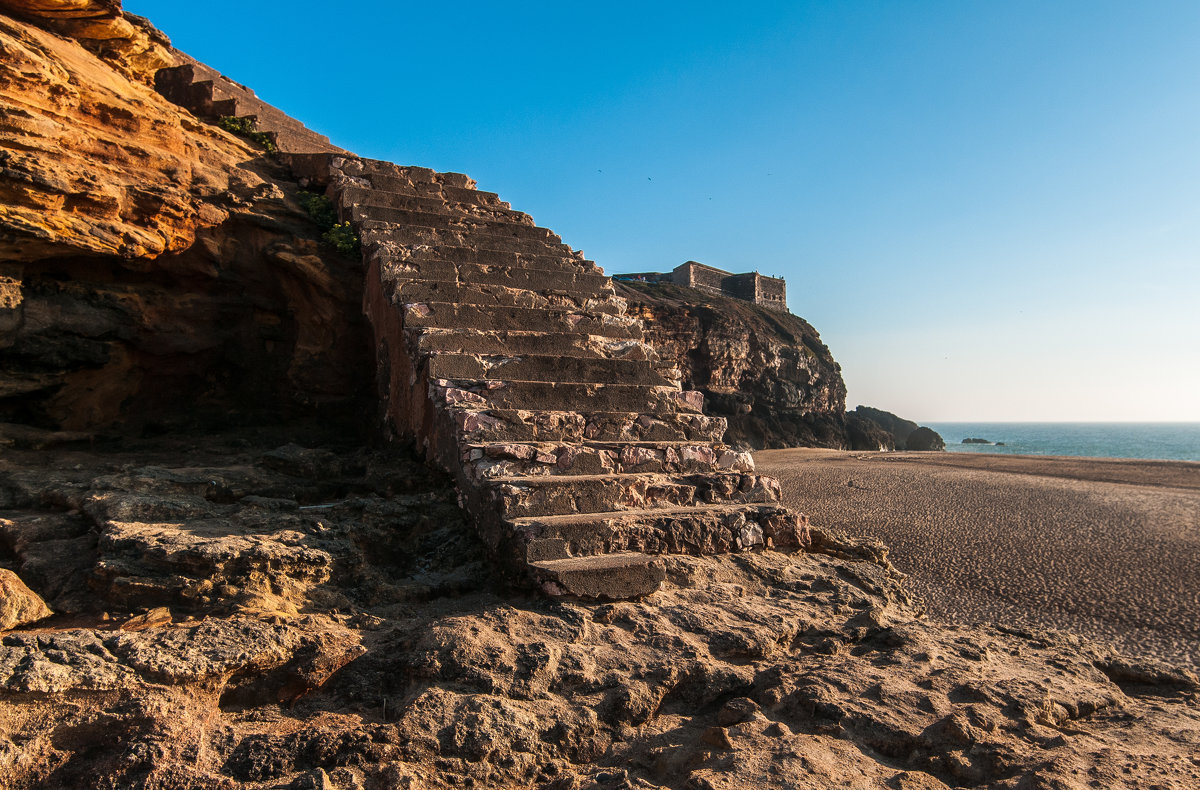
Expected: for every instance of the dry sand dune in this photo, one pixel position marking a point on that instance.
(1109, 549)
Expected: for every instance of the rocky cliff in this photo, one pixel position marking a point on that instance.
(146, 257)
(876, 429)
(766, 372)
(266, 603)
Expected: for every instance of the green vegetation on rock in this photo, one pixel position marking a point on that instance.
(343, 238)
(247, 128)
(339, 235)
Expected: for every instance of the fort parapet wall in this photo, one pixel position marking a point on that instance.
(769, 292)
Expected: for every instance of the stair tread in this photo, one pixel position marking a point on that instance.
(530, 246)
(545, 268)
(616, 559)
(616, 576)
(445, 220)
(672, 512)
(569, 480)
(602, 445)
(480, 341)
(429, 205)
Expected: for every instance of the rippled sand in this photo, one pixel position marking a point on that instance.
(1105, 548)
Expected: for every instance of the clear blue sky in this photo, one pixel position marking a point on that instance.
(990, 211)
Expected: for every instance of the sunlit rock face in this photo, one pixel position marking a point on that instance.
(143, 253)
(766, 372)
(128, 42)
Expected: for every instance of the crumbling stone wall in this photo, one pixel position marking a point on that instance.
(770, 292)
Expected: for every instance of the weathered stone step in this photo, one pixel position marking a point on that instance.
(404, 186)
(513, 459)
(574, 344)
(474, 425)
(431, 203)
(559, 495)
(415, 291)
(447, 315)
(451, 221)
(264, 116)
(706, 529)
(376, 231)
(620, 576)
(210, 95)
(449, 262)
(594, 286)
(411, 174)
(548, 368)
(566, 396)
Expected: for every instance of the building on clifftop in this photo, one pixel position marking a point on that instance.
(770, 292)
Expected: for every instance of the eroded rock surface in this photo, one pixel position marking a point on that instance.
(766, 372)
(144, 253)
(19, 605)
(330, 619)
(276, 608)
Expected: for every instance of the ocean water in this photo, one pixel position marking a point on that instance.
(1178, 441)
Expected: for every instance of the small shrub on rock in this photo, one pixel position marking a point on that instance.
(343, 238)
(339, 235)
(247, 128)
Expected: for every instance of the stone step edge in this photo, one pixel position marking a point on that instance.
(597, 444)
(417, 218)
(541, 481)
(761, 508)
(688, 401)
(393, 264)
(453, 205)
(616, 576)
(553, 249)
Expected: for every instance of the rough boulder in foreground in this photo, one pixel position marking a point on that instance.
(239, 613)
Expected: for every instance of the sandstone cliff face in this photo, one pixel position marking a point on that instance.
(146, 257)
(129, 43)
(767, 373)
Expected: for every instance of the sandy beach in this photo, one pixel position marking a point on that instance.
(1106, 548)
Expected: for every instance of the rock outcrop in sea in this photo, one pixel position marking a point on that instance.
(245, 585)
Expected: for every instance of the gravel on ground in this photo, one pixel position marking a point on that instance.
(1108, 549)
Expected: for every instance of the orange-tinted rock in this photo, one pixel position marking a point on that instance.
(129, 43)
(19, 605)
(149, 258)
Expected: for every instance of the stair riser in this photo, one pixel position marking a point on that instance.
(371, 168)
(437, 203)
(489, 268)
(481, 426)
(516, 460)
(374, 231)
(549, 369)
(453, 222)
(702, 534)
(423, 291)
(565, 396)
(567, 496)
(629, 579)
(427, 341)
(422, 189)
(451, 316)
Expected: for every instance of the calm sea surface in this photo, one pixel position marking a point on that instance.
(1178, 441)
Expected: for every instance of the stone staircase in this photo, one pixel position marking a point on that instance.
(509, 357)
(212, 96)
